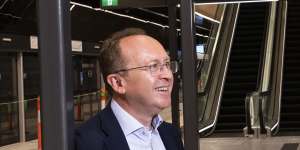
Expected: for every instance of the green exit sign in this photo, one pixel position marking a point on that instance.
(109, 2)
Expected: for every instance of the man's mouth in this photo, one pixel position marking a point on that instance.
(162, 89)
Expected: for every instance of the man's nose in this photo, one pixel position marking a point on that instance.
(165, 72)
(164, 67)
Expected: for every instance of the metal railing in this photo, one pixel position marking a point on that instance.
(274, 102)
(255, 114)
(86, 105)
(209, 98)
(263, 108)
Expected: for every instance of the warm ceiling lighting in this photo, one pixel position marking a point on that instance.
(230, 2)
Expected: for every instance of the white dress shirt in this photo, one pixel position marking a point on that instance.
(138, 137)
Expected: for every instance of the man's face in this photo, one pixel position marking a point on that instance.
(146, 91)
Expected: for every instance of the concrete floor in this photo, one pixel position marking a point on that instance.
(233, 143)
(238, 143)
(31, 145)
(274, 143)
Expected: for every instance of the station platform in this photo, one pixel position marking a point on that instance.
(213, 143)
(247, 143)
(236, 143)
(30, 145)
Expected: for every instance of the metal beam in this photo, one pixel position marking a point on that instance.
(203, 2)
(173, 48)
(20, 74)
(133, 3)
(191, 137)
(56, 68)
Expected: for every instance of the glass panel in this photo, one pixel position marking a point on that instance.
(31, 69)
(86, 94)
(85, 106)
(207, 18)
(208, 26)
(31, 118)
(9, 122)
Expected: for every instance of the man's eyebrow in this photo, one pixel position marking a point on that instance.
(167, 59)
(158, 61)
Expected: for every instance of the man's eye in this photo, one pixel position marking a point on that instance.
(168, 64)
(154, 66)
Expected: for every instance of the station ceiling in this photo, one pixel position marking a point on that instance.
(87, 24)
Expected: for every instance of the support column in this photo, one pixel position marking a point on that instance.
(56, 78)
(173, 48)
(190, 118)
(98, 74)
(20, 77)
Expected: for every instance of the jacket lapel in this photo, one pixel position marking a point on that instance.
(115, 139)
(167, 138)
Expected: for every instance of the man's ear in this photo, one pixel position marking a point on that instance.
(116, 82)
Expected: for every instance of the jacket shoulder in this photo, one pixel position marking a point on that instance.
(90, 135)
(171, 135)
(171, 129)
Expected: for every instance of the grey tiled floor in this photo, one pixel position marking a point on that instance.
(31, 145)
(243, 143)
(234, 143)
(274, 143)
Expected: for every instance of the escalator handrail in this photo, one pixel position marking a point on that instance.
(210, 51)
(206, 67)
(211, 122)
(255, 96)
(279, 48)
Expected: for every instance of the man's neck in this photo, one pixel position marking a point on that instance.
(144, 118)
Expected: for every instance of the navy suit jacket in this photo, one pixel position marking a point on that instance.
(103, 132)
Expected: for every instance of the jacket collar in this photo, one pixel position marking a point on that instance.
(115, 137)
(167, 137)
(116, 140)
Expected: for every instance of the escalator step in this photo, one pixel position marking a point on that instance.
(232, 118)
(239, 86)
(290, 116)
(241, 77)
(291, 88)
(232, 110)
(233, 102)
(244, 78)
(230, 127)
(290, 108)
(245, 51)
(290, 124)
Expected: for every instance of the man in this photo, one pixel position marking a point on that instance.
(139, 74)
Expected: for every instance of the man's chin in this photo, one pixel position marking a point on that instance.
(165, 103)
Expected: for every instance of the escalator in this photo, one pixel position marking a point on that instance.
(290, 104)
(243, 70)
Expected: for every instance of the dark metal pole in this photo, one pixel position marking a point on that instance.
(56, 79)
(191, 137)
(173, 48)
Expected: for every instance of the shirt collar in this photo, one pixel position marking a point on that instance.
(127, 122)
(156, 121)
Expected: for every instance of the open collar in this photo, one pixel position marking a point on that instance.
(115, 139)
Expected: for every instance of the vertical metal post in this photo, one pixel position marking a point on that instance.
(20, 80)
(103, 92)
(173, 48)
(98, 74)
(99, 82)
(14, 91)
(56, 78)
(191, 138)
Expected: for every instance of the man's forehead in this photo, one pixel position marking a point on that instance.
(133, 38)
(139, 42)
(163, 59)
(143, 49)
